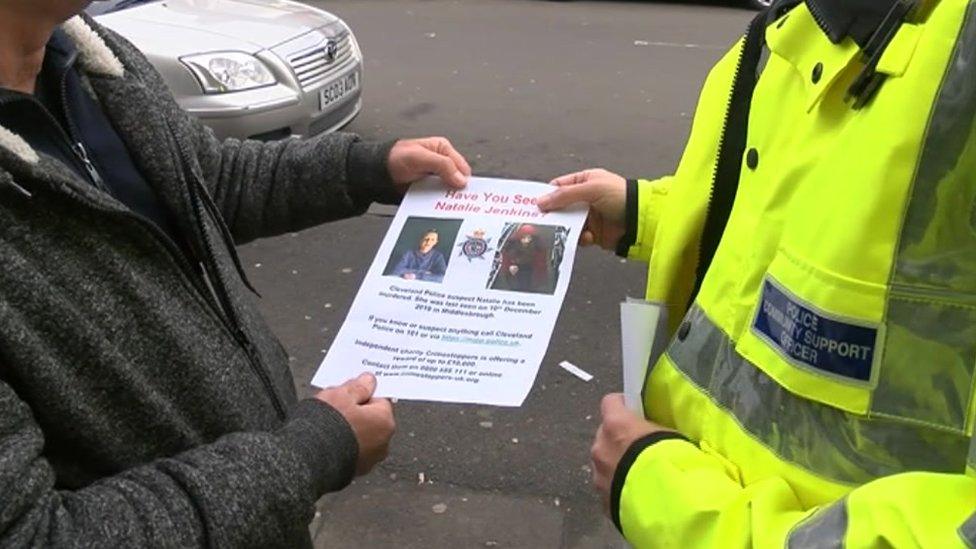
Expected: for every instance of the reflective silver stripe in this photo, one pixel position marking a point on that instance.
(827, 441)
(968, 531)
(826, 529)
(971, 461)
(930, 342)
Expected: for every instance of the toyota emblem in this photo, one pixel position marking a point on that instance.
(331, 49)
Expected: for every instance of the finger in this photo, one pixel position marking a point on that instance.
(564, 196)
(361, 388)
(571, 178)
(594, 448)
(433, 162)
(446, 148)
(589, 227)
(587, 238)
(369, 380)
(612, 403)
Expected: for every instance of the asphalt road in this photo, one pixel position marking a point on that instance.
(528, 89)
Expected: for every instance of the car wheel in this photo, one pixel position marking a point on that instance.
(759, 4)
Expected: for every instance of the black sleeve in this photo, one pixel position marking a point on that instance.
(630, 220)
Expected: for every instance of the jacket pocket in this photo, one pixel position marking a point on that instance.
(899, 353)
(817, 334)
(928, 358)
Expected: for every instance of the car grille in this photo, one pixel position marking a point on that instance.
(313, 66)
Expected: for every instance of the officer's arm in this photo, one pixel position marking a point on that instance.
(675, 494)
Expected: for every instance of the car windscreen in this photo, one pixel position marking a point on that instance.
(108, 6)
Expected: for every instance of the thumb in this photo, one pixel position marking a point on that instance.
(361, 388)
(612, 403)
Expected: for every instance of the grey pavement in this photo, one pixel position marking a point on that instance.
(528, 89)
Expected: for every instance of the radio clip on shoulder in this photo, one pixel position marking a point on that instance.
(869, 79)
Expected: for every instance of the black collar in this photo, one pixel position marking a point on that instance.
(857, 19)
(59, 58)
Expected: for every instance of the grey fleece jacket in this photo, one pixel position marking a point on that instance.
(140, 404)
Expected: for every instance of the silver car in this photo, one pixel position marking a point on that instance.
(263, 69)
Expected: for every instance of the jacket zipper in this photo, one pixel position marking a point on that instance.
(711, 188)
(232, 323)
(73, 134)
(79, 150)
(818, 17)
(208, 203)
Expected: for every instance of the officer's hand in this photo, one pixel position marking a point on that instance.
(413, 159)
(606, 194)
(371, 418)
(619, 428)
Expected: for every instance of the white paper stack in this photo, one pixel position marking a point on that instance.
(643, 331)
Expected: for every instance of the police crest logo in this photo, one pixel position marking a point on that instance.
(475, 245)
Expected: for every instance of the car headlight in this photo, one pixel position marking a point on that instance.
(228, 71)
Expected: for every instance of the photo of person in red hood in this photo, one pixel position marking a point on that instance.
(525, 262)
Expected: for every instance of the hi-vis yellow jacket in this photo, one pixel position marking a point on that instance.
(824, 374)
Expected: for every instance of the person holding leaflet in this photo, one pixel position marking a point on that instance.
(144, 401)
(814, 251)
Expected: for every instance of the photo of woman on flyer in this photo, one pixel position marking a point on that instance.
(525, 264)
(528, 258)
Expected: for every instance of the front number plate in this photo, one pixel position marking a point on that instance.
(338, 89)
